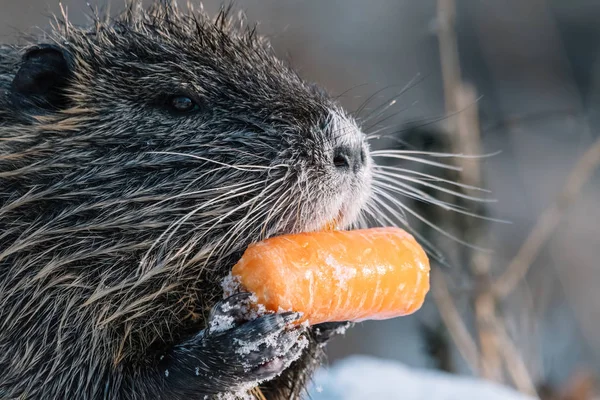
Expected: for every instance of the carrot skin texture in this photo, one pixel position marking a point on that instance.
(333, 276)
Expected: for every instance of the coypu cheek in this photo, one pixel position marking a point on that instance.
(353, 198)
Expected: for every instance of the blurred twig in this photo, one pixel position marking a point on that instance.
(446, 14)
(496, 349)
(514, 120)
(451, 317)
(548, 221)
(514, 362)
(465, 127)
(494, 352)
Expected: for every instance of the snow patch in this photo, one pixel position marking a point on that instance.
(362, 377)
(231, 285)
(241, 395)
(250, 308)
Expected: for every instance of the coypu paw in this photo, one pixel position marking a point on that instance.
(232, 354)
(263, 347)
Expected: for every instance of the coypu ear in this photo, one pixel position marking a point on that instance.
(41, 78)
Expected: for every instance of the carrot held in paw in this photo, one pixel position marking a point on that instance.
(331, 276)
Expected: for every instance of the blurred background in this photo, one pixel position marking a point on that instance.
(516, 78)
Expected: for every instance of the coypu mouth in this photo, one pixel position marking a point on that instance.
(334, 224)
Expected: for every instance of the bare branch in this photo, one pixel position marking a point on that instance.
(453, 321)
(548, 221)
(515, 366)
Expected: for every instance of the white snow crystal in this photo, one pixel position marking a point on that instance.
(221, 323)
(241, 395)
(230, 284)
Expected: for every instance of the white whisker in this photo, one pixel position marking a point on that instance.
(241, 167)
(433, 251)
(434, 154)
(445, 205)
(425, 220)
(412, 193)
(239, 223)
(196, 192)
(432, 178)
(418, 160)
(387, 104)
(276, 209)
(436, 187)
(237, 229)
(175, 225)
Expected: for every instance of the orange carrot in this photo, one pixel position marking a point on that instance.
(331, 276)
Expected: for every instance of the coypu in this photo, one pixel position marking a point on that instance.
(139, 157)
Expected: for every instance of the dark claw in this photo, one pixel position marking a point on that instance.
(269, 368)
(266, 326)
(325, 331)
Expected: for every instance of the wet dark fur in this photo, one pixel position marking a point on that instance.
(119, 218)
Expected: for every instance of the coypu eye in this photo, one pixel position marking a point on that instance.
(182, 104)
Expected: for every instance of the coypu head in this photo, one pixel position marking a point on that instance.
(185, 130)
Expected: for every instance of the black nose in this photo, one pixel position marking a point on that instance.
(349, 158)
